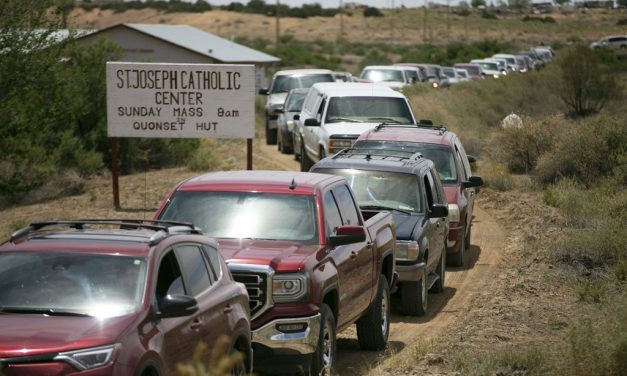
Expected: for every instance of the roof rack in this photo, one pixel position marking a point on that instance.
(161, 227)
(423, 123)
(384, 153)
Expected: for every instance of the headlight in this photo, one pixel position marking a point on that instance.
(90, 358)
(496, 76)
(339, 144)
(453, 213)
(289, 287)
(407, 250)
(435, 84)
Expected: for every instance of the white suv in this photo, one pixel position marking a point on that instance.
(282, 82)
(334, 114)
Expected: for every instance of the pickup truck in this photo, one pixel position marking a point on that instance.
(311, 263)
(335, 114)
(406, 184)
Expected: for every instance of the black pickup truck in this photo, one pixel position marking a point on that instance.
(407, 185)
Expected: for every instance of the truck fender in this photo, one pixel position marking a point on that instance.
(424, 246)
(324, 275)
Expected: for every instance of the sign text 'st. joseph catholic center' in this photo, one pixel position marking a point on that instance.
(180, 100)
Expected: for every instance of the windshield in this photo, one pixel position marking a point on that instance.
(442, 156)
(70, 282)
(449, 72)
(383, 75)
(412, 75)
(474, 70)
(368, 109)
(489, 66)
(295, 102)
(283, 84)
(247, 215)
(382, 189)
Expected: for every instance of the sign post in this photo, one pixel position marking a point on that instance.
(179, 101)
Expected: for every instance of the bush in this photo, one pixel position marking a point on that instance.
(520, 148)
(586, 151)
(372, 12)
(498, 178)
(585, 86)
(202, 160)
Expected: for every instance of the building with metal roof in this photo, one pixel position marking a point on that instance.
(160, 43)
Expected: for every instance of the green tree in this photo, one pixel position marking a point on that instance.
(585, 84)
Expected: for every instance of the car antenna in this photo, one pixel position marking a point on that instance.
(292, 184)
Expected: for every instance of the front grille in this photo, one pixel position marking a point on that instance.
(257, 286)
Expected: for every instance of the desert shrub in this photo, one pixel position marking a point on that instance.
(512, 361)
(520, 147)
(372, 12)
(221, 360)
(621, 22)
(498, 178)
(586, 151)
(598, 346)
(590, 291)
(585, 85)
(203, 159)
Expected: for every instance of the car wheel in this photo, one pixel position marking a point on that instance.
(438, 286)
(271, 134)
(414, 297)
(305, 162)
(239, 368)
(374, 328)
(323, 360)
(322, 153)
(279, 142)
(457, 259)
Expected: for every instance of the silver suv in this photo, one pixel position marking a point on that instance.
(282, 82)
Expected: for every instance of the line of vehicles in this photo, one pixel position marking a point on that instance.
(276, 263)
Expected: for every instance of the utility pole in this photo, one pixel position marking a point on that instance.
(277, 24)
(341, 20)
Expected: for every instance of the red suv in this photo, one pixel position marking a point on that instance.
(83, 298)
(453, 165)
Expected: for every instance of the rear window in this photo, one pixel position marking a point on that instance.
(368, 109)
(442, 156)
(383, 75)
(283, 84)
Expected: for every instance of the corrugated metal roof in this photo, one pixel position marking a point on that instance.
(204, 43)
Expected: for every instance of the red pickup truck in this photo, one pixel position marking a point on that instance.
(310, 261)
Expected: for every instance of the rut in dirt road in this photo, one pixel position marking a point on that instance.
(463, 285)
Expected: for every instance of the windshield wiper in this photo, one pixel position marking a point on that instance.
(381, 207)
(385, 119)
(349, 120)
(41, 311)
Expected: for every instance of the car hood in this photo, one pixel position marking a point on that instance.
(347, 128)
(282, 256)
(27, 335)
(392, 84)
(405, 225)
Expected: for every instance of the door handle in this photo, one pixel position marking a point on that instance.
(196, 324)
(354, 254)
(228, 309)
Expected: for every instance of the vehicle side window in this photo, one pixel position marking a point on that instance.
(331, 212)
(169, 278)
(215, 264)
(321, 110)
(345, 201)
(310, 101)
(194, 268)
(429, 192)
(459, 149)
(437, 188)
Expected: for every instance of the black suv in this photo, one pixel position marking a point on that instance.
(410, 188)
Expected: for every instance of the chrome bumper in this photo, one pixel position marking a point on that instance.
(410, 273)
(304, 342)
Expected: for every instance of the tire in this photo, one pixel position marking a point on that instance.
(279, 142)
(322, 154)
(438, 286)
(294, 148)
(305, 162)
(373, 329)
(457, 259)
(414, 297)
(271, 134)
(239, 369)
(323, 361)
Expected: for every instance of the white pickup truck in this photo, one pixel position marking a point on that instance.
(335, 114)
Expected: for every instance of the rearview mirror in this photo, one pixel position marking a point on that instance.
(473, 181)
(177, 306)
(471, 158)
(438, 211)
(347, 235)
(263, 91)
(311, 122)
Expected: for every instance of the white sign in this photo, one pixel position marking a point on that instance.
(180, 100)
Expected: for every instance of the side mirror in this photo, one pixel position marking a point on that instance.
(177, 306)
(263, 91)
(311, 122)
(471, 158)
(439, 211)
(347, 235)
(296, 116)
(279, 110)
(473, 181)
